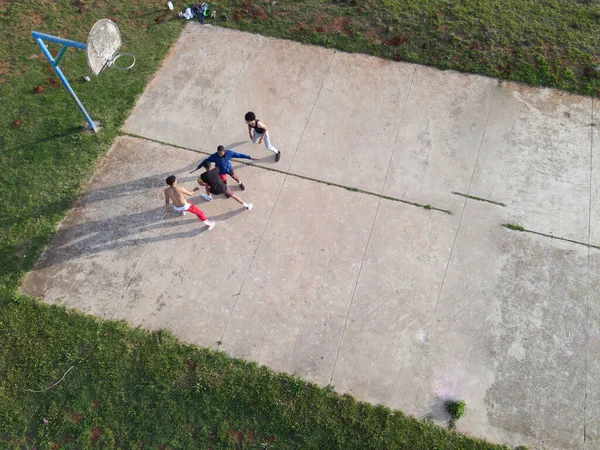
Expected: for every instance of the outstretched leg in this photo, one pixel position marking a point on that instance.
(230, 194)
(236, 178)
(267, 142)
(194, 210)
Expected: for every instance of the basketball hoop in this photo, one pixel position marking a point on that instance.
(101, 48)
(103, 43)
(112, 62)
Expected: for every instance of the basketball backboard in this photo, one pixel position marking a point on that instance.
(104, 40)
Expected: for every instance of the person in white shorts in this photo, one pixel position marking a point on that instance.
(175, 194)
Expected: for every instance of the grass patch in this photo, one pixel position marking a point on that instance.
(551, 43)
(512, 226)
(133, 389)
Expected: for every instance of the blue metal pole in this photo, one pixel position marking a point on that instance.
(58, 40)
(61, 53)
(54, 63)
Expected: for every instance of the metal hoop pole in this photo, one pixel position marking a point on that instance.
(38, 37)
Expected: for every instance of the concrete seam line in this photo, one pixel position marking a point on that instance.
(311, 112)
(437, 302)
(274, 205)
(479, 199)
(303, 177)
(487, 120)
(221, 108)
(587, 297)
(387, 173)
(250, 264)
(464, 206)
(514, 227)
(137, 267)
(337, 355)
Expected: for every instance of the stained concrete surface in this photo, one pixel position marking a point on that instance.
(396, 304)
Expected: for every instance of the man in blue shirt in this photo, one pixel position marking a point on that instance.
(222, 160)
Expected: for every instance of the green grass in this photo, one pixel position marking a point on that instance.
(551, 43)
(131, 389)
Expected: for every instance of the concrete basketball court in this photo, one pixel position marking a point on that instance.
(394, 303)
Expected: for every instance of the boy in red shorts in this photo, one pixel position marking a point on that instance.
(176, 194)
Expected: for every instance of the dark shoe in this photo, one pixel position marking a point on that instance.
(277, 156)
(242, 187)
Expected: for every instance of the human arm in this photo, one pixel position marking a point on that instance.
(202, 163)
(233, 154)
(186, 192)
(250, 132)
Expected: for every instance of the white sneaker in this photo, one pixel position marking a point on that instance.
(211, 225)
(208, 198)
(249, 206)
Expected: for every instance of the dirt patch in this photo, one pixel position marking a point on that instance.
(395, 42)
(191, 365)
(3, 72)
(36, 19)
(75, 418)
(258, 13)
(96, 433)
(340, 24)
(94, 405)
(82, 6)
(52, 82)
(236, 436)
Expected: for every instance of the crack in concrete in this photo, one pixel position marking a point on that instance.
(381, 196)
(587, 299)
(514, 227)
(185, 179)
(303, 177)
(220, 341)
(472, 197)
(437, 303)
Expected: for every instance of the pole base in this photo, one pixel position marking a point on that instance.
(89, 130)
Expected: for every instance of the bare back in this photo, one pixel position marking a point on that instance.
(175, 194)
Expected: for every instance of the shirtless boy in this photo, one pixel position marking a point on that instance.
(176, 194)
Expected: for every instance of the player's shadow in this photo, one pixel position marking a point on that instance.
(88, 238)
(229, 214)
(235, 144)
(134, 187)
(79, 237)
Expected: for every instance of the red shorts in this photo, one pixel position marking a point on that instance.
(224, 175)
